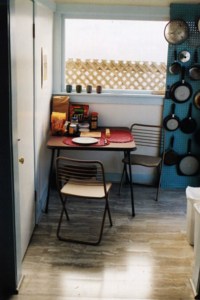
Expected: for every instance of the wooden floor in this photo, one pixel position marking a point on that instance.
(146, 257)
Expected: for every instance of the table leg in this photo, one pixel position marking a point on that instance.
(131, 183)
(49, 180)
(198, 288)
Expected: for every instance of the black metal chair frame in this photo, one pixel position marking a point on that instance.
(79, 174)
(147, 136)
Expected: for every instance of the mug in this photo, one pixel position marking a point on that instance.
(68, 88)
(89, 89)
(99, 89)
(79, 88)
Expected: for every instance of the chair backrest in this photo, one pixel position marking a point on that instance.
(88, 171)
(149, 139)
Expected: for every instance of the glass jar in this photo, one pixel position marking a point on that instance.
(94, 120)
(73, 126)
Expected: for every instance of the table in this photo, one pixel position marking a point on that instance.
(55, 143)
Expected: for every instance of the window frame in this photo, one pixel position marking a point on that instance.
(86, 11)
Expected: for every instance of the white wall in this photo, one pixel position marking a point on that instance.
(43, 40)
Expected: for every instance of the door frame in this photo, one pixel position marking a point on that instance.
(8, 261)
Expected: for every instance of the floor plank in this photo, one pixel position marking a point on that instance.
(146, 257)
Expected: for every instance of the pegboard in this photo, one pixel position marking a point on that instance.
(170, 176)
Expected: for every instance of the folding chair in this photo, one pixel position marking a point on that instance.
(81, 179)
(149, 141)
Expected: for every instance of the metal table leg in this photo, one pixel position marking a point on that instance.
(131, 183)
(49, 180)
(198, 288)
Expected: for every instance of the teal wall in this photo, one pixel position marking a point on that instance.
(170, 176)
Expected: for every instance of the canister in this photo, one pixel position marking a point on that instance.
(94, 120)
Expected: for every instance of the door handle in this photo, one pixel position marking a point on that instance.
(21, 160)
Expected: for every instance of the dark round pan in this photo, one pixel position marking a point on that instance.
(196, 100)
(197, 137)
(194, 70)
(188, 124)
(181, 91)
(171, 122)
(175, 67)
(188, 164)
(171, 157)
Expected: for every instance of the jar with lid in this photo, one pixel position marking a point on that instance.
(73, 126)
(74, 120)
(94, 120)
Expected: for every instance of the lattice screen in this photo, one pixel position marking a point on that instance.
(117, 74)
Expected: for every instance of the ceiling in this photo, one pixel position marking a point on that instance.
(161, 3)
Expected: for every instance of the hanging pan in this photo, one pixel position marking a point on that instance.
(197, 137)
(188, 164)
(181, 91)
(175, 67)
(188, 124)
(176, 31)
(171, 157)
(196, 100)
(194, 70)
(171, 122)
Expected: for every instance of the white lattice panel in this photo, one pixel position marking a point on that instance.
(117, 74)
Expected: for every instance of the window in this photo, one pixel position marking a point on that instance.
(116, 54)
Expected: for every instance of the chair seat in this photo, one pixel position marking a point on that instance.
(143, 160)
(90, 190)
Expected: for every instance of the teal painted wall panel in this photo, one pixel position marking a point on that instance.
(170, 177)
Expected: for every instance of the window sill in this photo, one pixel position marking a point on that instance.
(136, 98)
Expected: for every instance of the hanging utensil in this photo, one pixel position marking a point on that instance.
(175, 67)
(171, 157)
(197, 137)
(176, 31)
(188, 164)
(194, 70)
(171, 122)
(196, 99)
(184, 56)
(181, 91)
(188, 124)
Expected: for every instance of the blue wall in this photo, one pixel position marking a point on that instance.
(170, 176)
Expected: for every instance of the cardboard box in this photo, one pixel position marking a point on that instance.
(81, 111)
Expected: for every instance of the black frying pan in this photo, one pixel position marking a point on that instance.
(181, 91)
(171, 122)
(197, 137)
(171, 157)
(175, 67)
(194, 70)
(188, 124)
(188, 164)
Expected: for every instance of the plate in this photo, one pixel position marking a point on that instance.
(85, 140)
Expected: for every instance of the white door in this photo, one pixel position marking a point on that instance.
(23, 94)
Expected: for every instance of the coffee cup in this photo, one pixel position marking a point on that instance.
(79, 88)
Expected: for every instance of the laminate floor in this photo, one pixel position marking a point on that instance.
(146, 257)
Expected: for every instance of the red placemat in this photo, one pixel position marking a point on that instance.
(101, 142)
(119, 136)
(116, 136)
